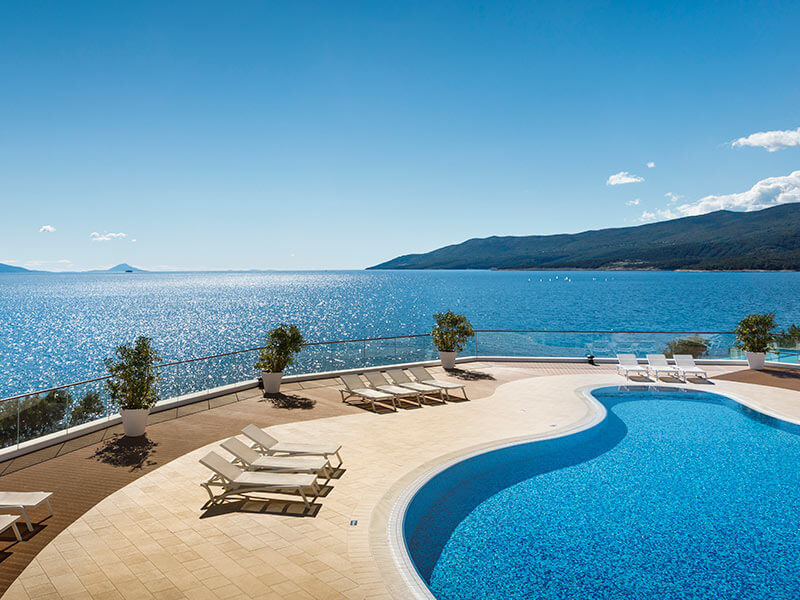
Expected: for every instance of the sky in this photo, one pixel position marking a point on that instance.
(261, 135)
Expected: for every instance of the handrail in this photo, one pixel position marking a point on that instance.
(356, 340)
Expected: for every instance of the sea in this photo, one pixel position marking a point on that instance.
(57, 328)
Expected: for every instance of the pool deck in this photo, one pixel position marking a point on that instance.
(142, 532)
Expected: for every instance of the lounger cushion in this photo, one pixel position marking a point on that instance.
(321, 449)
(288, 463)
(23, 498)
(277, 480)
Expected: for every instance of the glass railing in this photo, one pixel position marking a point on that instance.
(63, 408)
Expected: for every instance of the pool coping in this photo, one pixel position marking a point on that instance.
(405, 580)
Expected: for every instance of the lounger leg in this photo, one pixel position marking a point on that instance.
(419, 401)
(303, 496)
(339, 458)
(373, 406)
(16, 532)
(50, 508)
(25, 517)
(394, 405)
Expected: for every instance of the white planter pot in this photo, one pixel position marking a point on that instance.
(755, 360)
(448, 359)
(134, 421)
(272, 382)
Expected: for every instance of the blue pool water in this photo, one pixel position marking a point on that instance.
(57, 328)
(676, 494)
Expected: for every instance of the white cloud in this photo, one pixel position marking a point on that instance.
(771, 140)
(634, 202)
(623, 177)
(106, 237)
(672, 197)
(46, 229)
(658, 215)
(651, 164)
(767, 192)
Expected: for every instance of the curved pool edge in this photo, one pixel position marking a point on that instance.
(413, 584)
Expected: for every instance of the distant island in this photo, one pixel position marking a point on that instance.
(765, 240)
(120, 268)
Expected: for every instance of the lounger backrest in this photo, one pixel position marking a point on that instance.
(352, 381)
(376, 378)
(241, 450)
(421, 373)
(259, 436)
(685, 360)
(627, 359)
(399, 376)
(220, 466)
(657, 359)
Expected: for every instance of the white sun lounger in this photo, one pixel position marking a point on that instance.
(251, 460)
(629, 364)
(379, 382)
(7, 521)
(686, 366)
(235, 481)
(400, 378)
(353, 386)
(266, 444)
(23, 501)
(657, 363)
(423, 376)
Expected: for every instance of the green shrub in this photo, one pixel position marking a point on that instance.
(755, 333)
(88, 409)
(134, 381)
(283, 343)
(38, 416)
(451, 331)
(788, 338)
(694, 345)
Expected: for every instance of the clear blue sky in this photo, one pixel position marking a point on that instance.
(338, 135)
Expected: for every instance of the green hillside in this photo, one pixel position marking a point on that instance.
(768, 239)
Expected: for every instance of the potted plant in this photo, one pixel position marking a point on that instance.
(449, 334)
(754, 334)
(283, 343)
(133, 383)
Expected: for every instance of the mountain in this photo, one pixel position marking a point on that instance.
(120, 268)
(4, 268)
(768, 239)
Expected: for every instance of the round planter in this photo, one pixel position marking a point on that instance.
(755, 360)
(134, 421)
(448, 359)
(272, 382)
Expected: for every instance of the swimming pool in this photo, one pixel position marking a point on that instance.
(675, 494)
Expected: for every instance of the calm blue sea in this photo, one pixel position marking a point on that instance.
(56, 328)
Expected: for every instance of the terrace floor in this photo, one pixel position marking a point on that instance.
(129, 522)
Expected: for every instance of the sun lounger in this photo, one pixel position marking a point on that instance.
(400, 378)
(235, 481)
(657, 363)
(629, 364)
(7, 521)
(266, 444)
(251, 460)
(379, 382)
(23, 501)
(423, 376)
(686, 366)
(353, 386)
